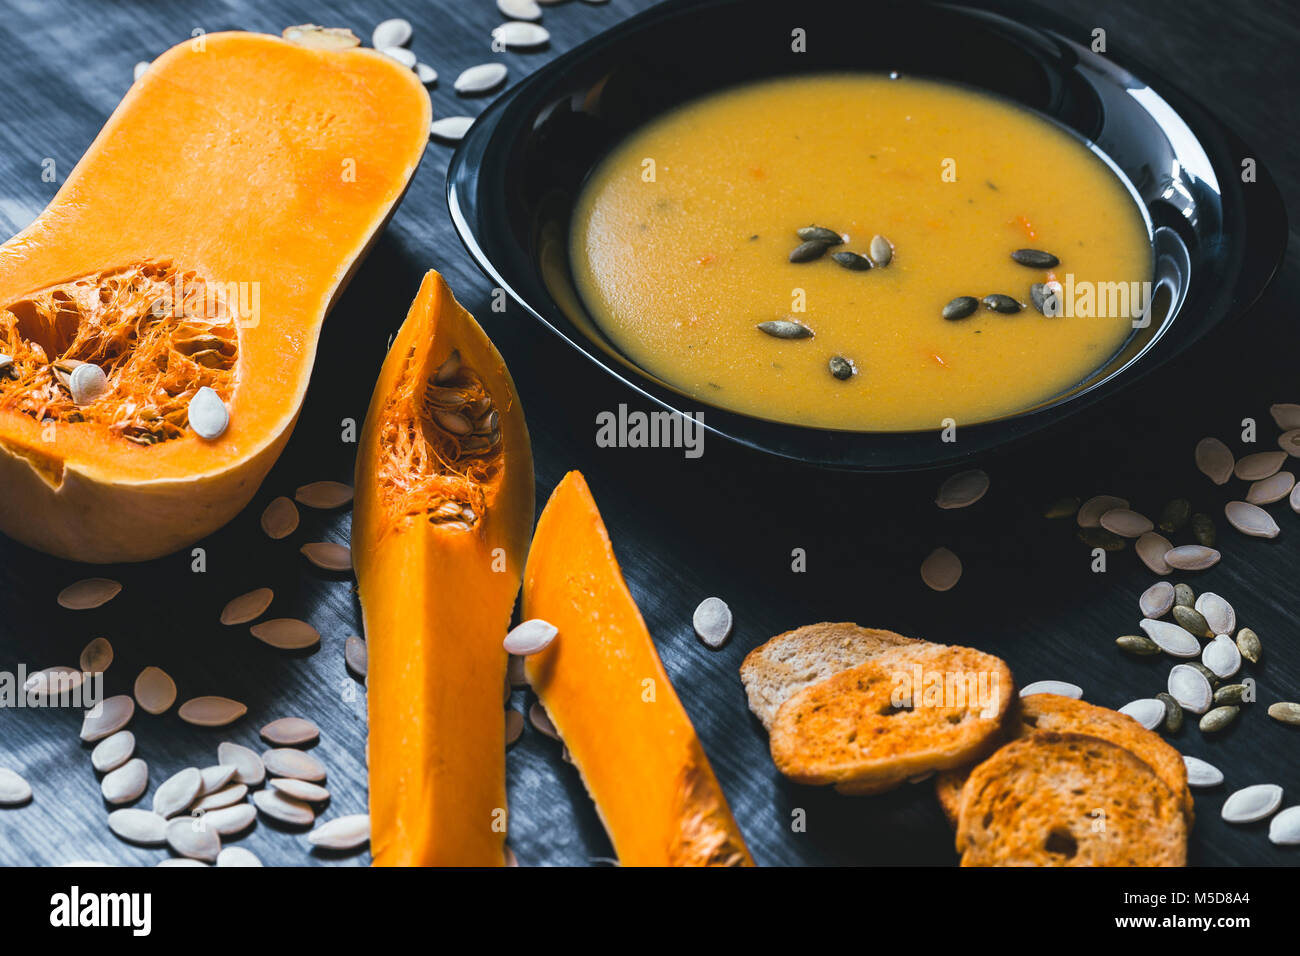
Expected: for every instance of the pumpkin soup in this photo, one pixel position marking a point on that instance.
(861, 252)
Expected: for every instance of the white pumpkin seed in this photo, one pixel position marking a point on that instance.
(1286, 416)
(249, 768)
(140, 69)
(180, 861)
(128, 782)
(191, 837)
(285, 809)
(1295, 499)
(96, 656)
(530, 637)
(1157, 600)
(1126, 523)
(963, 489)
(280, 519)
(426, 74)
(216, 777)
(1289, 442)
(88, 593)
(324, 495)
(1221, 656)
(1251, 519)
(207, 414)
(1192, 557)
(328, 555)
(1253, 803)
(303, 790)
(138, 826)
(1148, 712)
(155, 691)
(1202, 774)
(941, 570)
(87, 383)
(14, 790)
(211, 711)
(237, 856)
(1059, 687)
(286, 633)
(247, 607)
(1190, 688)
(230, 820)
(1268, 490)
(53, 683)
(113, 751)
(288, 762)
(541, 721)
(1151, 549)
(520, 9)
(1090, 512)
(400, 54)
(712, 621)
(107, 717)
(1260, 465)
(355, 656)
(393, 32)
(1215, 460)
(514, 725)
(290, 732)
(1217, 612)
(1171, 638)
(481, 78)
(342, 833)
(177, 792)
(227, 796)
(1284, 829)
(517, 34)
(451, 129)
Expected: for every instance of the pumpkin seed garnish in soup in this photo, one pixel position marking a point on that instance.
(852, 261)
(819, 234)
(785, 329)
(882, 251)
(1003, 304)
(1046, 297)
(962, 307)
(809, 251)
(1035, 258)
(841, 367)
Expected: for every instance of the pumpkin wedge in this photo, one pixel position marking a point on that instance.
(199, 243)
(606, 691)
(442, 514)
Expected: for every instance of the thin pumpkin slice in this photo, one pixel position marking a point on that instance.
(606, 691)
(442, 514)
(193, 253)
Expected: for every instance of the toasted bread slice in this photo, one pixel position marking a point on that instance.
(1067, 715)
(1053, 799)
(907, 710)
(789, 662)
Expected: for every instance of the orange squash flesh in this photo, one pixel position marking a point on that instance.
(437, 589)
(257, 171)
(606, 691)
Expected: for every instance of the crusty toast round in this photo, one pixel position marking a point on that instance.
(789, 662)
(907, 710)
(1062, 799)
(1067, 715)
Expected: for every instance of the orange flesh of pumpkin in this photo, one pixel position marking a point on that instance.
(255, 170)
(437, 589)
(606, 691)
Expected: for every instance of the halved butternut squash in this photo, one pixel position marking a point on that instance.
(200, 242)
(440, 527)
(606, 691)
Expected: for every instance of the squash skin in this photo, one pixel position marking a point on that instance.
(640, 760)
(248, 189)
(435, 612)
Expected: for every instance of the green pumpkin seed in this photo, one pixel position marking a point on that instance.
(1192, 621)
(882, 251)
(1035, 258)
(1230, 694)
(1173, 712)
(1219, 718)
(840, 367)
(1285, 711)
(1062, 508)
(962, 307)
(1138, 644)
(1184, 596)
(1203, 529)
(785, 329)
(1046, 298)
(851, 260)
(1248, 644)
(819, 234)
(1003, 304)
(1174, 515)
(810, 250)
(1101, 538)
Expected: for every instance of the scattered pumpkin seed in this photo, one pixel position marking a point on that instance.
(514, 725)
(1062, 508)
(1230, 694)
(480, 79)
(1294, 500)
(1174, 515)
(289, 762)
(1090, 512)
(1286, 416)
(324, 495)
(1192, 621)
(216, 778)
(53, 683)
(1173, 713)
(177, 792)
(1101, 538)
(190, 838)
(1218, 613)
(1171, 638)
(1138, 644)
(451, 129)
(1190, 688)
(712, 621)
(128, 782)
(530, 637)
(290, 732)
(1221, 656)
(1002, 304)
(280, 519)
(1219, 718)
(1184, 595)
(809, 251)
(286, 633)
(247, 607)
(392, 32)
(1289, 442)
(1126, 523)
(519, 35)
(211, 711)
(962, 307)
(1035, 258)
(237, 856)
(840, 367)
(515, 674)
(962, 489)
(1266, 491)
(342, 833)
(96, 656)
(155, 691)
(1192, 557)
(1214, 460)
(1285, 711)
(227, 821)
(819, 234)
(941, 570)
(426, 74)
(249, 768)
(541, 721)
(179, 861)
(1059, 687)
(785, 329)
(139, 826)
(328, 555)
(1203, 530)
(1251, 804)
(107, 718)
(1148, 712)
(303, 790)
(227, 796)
(1248, 644)
(1151, 548)
(520, 9)
(1284, 829)
(1260, 465)
(1251, 519)
(283, 808)
(355, 656)
(882, 251)
(852, 261)
(88, 593)
(113, 751)
(1200, 773)
(14, 790)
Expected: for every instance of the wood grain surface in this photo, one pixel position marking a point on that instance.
(684, 529)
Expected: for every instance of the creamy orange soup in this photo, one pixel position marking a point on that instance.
(681, 247)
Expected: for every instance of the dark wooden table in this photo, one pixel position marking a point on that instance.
(684, 529)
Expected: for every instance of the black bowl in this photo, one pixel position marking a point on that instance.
(1217, 240)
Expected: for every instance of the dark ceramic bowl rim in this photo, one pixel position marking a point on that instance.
(1262, 219)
